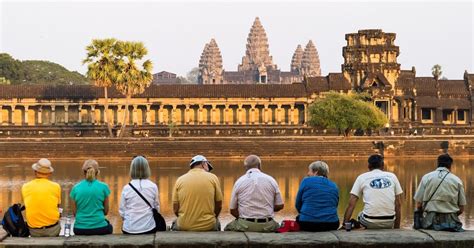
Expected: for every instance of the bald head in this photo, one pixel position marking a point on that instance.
(252, 161)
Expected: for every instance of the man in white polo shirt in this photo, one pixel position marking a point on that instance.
(381, 192)
(255, 198)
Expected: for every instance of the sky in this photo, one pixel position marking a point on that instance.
(428, 33)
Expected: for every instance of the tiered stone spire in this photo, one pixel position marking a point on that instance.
(310, 65)
(296, 60)
(210, 64)
(257, 53)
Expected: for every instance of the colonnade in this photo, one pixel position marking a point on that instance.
(58, 113)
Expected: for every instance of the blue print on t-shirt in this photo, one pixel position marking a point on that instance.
(380, 183)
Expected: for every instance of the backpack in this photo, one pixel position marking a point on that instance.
(14, 223)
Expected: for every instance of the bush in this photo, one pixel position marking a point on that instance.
(345, 113)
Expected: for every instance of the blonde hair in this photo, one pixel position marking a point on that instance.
(91, 169)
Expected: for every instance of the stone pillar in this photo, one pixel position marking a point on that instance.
(438, 116)
(1, 115)
(240, 117)
(26, 115)
(79, 117)
(40, 115)
(66, 114)
(291, 118)
(173, 114)
(278, 114)
(252, 114)
(160, 114)
(200, 118)
(134, 115)
(53, 115)
(214, 120)
(265, 114)
(455, 116)
(226, 114)
(187, 116)
(92, 113)
(148, 114)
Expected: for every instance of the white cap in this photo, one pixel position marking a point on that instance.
(200, 158)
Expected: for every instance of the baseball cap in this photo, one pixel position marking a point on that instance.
(200, 158)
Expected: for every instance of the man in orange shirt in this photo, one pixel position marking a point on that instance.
(42, 198)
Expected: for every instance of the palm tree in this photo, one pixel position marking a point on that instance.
(102, 69)
(132, 79)
(436, 71)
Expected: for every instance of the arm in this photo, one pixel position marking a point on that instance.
(73, 205)
(106, 205)
(299, 198)
(176, 208)
(461, 210)
(217, 208)
(398, 213)
(350, 208)
(278, 207)
(235, 212)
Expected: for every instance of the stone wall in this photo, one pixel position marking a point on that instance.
(231, 147)
(366, 238)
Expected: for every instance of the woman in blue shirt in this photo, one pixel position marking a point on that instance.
(90, 202)
(317, 200)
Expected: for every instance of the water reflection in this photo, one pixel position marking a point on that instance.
(288, 174)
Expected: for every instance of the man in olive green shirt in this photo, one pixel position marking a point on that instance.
(448, 200)
(197, 198)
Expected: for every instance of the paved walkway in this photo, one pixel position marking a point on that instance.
(365, 238)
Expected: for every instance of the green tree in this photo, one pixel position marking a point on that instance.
(4, 81)
(102, 68)
(345, 113)
(132, 78)
(192, 75)
(436, 71)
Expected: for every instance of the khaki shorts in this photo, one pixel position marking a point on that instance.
(175, 227)
(45, 232)
(242, 225)
(375, 224)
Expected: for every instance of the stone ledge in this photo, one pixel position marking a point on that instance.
(358, 238)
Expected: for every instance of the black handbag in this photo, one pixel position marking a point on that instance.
(159, 220)
(418, 214)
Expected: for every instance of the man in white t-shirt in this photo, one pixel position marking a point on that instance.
(255, 198)
(381, 192)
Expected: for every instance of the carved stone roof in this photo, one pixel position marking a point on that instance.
(75, 92)
(296, 59)
(310, 64)
(257, 52)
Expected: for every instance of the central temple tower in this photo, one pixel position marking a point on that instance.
(257, 55)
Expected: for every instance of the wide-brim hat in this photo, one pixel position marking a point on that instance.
(43, 166)
(200, 158)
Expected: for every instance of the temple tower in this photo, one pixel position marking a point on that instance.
(257, 54)
(296, 60)
(310, 65)
(210, 65)
(370, 59)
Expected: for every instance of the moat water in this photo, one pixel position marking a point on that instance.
(288, 173)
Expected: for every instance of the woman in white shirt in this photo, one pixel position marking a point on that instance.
(136, 214)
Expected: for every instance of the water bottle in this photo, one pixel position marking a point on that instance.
(67, 227)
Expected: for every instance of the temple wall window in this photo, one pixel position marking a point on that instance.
(427, 115)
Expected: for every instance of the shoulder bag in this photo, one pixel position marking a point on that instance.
(418, 214)
(159, 220)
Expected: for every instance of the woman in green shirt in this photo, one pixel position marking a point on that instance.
(90, 202)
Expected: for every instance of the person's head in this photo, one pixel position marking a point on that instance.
(445, 160)
(318, 168)
(252, 161)
(375, 162)
(43, 168)
(90, 169)
(200, 161)
(139, 168)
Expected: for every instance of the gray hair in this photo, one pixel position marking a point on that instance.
(139, 168)
(321, 167)
(252, 161)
